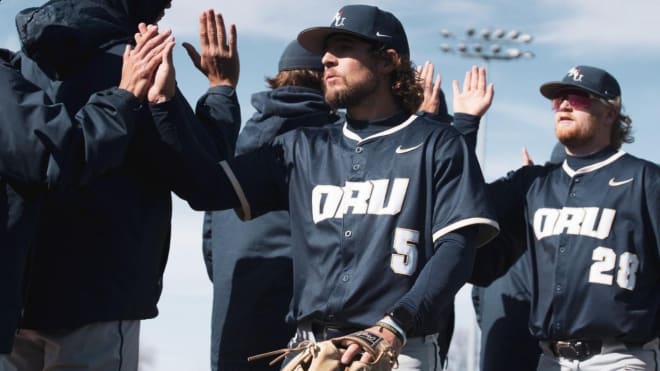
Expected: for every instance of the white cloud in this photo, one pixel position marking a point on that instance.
(596, 27)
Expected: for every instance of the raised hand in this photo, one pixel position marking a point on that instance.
(219, 57)
(164, 83)
(140, 62)
(477, 96)
(432, 95)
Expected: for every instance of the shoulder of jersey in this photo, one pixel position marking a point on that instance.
(433, 125)
(652, 166)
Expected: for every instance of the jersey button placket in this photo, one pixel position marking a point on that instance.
(346, 277)
(559, 283)
(357, 164)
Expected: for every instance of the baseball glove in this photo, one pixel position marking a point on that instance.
(326, 355)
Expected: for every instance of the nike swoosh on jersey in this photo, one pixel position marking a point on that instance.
(614, 183)
(401, 150)
(378, 34)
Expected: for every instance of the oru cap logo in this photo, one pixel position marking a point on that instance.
(575, 74)
(339, 19)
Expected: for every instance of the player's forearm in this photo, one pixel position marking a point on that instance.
(193, 172)
(494, 259)
(468, 126)
(220, 115)
(442, 276)
(507, 197)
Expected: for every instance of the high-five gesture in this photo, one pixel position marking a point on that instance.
(140, 62)
(219, 57)
(476, 97)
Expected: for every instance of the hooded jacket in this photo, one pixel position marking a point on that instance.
(28, 166)
(100, 251)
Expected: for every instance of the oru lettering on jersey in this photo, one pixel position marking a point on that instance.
(607, 265)
(584, 221)
(375, 197)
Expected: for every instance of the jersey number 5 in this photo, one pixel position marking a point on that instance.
(404, 259)
(605, 262)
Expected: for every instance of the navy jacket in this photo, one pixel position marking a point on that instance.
(100, 251)
(43, 147)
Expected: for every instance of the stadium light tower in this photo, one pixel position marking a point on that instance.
(488, 45)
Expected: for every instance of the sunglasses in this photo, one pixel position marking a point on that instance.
(578, 100)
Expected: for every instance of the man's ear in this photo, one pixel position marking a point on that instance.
(389, 61)
(612, 116)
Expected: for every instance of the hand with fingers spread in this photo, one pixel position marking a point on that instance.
(141, 62)
(432, 92)
(219, 56)
(477, 95)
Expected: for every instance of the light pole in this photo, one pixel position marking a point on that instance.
(487, 45)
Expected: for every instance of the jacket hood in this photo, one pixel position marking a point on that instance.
(63, 34)
(281, 110)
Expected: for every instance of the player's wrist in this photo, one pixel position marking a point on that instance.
(387, 323)
(402, 316)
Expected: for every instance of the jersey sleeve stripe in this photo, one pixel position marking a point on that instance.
(244, 213)
(488, 229)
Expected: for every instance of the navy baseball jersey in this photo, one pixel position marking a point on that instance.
(594, 233)
(365, 212)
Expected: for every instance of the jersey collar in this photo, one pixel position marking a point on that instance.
(354, 136)
(593, 167)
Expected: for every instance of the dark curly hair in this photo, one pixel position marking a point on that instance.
(404, 80)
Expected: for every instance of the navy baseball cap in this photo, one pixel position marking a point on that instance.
(295, 57)
(365, 22)
(591, 79)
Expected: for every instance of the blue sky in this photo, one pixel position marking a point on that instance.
(619, 36)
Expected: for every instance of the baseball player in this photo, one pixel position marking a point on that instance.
(381, 238)
(592, 227)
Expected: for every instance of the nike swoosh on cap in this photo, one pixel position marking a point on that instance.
(614, 183)
(401, 150)
(378, 34)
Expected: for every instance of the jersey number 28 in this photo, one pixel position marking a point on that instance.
(604, 263)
